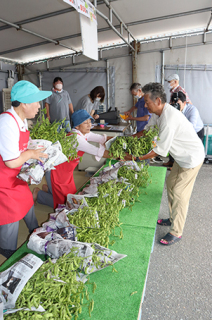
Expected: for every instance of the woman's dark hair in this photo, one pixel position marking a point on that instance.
(16, 103)
(178, 96)
(155, 90)
(98, 91)
(57, 79)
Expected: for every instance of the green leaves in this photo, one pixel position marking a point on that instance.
(133, 145)
(43, 129)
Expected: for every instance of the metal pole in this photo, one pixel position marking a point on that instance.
(162, 68)
(108, 83)
(40, 76)
(118, 17)
(19, 27)
(209, 22)
(111, 14)
(114, 29)
(134, 74)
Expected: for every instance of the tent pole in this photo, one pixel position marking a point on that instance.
(108, 84)
(162, 67)
(134, 73)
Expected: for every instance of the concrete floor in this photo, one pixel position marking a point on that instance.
(179, 283)
(42, 212)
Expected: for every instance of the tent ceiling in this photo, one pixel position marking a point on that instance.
(145, 18)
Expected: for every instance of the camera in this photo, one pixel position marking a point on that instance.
(174, 99)
(176, 105)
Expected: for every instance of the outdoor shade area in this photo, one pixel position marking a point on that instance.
(105, 159)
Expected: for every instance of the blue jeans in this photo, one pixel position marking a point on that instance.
(66, 125)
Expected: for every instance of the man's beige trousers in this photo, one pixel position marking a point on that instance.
(179, 188)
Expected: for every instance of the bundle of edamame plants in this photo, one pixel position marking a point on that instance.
(45, 130)
(112, 197)
(133, 145)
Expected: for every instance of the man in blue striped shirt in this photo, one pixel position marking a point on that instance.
(190, 112)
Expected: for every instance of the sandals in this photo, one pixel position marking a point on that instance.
(164, 222)
(169, 239)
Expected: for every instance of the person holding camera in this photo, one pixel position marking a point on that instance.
(173, 84)
(178, 100)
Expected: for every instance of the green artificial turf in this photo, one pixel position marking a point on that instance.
(112, 298)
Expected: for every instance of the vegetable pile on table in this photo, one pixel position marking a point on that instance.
(43, 129)
(133, 145)
(56, 288)
(112, 197)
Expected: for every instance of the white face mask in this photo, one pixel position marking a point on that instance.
(170, 86)
(137, 97)
(98, 99)
(59, 86)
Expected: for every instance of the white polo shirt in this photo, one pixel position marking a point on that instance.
(9, 135)
(178, 137)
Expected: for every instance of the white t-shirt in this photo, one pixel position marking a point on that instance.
(85, 146)
(9, 135)
(178, 137)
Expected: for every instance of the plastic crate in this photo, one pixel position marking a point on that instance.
(209, 151)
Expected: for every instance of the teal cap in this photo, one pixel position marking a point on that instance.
(26, 92)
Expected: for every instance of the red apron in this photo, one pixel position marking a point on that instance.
(62, 180)
(15, 196)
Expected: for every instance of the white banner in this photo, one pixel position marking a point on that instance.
(72, 3)
(92, 12)
(89, 37)
(83, 8)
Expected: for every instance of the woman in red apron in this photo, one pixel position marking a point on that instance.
(60, 182)
(16, 201)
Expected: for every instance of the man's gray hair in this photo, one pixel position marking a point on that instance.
(135, 86)
(155, 90)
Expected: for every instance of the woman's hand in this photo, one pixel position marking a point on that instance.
(26, 155)
(38, 154)
(96, 116)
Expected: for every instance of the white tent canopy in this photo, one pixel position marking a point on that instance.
(57, 21)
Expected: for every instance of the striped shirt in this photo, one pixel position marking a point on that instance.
(177, 89)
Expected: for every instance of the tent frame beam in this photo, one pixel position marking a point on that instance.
(47, 15)
(19, 27)
(111, 26)
(121, 25)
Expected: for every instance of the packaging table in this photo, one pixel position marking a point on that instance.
(113, 299)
